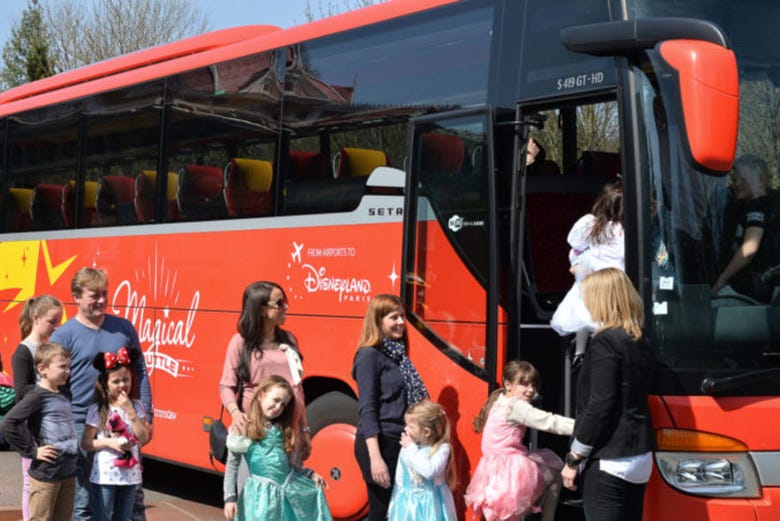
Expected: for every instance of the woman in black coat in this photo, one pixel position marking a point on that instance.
(611, 453)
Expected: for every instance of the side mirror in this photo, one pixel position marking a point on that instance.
(708, 83)
(706, 70)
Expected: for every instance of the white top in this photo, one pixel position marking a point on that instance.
(610, 254)
(634, 469)
(104, 472)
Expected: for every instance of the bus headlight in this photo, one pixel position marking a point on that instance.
(710, 474)
(706, 464)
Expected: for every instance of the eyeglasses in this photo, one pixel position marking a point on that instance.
(280, 303)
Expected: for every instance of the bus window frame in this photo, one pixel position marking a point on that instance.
(492, 353)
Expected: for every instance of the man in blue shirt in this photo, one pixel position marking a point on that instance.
(90, 332)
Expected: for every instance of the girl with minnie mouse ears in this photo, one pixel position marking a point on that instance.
(116, 427)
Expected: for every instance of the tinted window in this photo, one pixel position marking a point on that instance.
(41, 165)
(548, 69)
(224, 123)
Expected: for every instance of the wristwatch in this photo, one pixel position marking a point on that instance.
(570, 460)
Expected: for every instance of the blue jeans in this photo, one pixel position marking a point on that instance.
(112, 502)
(82, 510)
(81, 503)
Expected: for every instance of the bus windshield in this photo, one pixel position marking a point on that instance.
(714, 241)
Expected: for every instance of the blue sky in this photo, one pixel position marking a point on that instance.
(227, 13)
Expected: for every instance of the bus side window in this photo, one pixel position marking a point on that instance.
(146, 193)
(307, 166)
(115, 200)
(46, 207)
(441, 160)
(352, 166)
(248, 187)
(200, 193)
(442, 153)
(89, 211)
(553, 204)
(19, 201)
(358, 162)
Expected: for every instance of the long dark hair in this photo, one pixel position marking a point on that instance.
(101, 385)
(251, 325)
(607, 208)
(515, 371)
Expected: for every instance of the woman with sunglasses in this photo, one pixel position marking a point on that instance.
(261, 348)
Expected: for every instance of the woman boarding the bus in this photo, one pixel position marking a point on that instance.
(613, 434)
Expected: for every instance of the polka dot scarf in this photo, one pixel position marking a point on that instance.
(413, 385)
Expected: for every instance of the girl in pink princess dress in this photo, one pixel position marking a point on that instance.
(510, 480)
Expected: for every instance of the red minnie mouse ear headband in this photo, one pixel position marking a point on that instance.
(107, 361)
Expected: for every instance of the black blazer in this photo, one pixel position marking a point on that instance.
(612, 389)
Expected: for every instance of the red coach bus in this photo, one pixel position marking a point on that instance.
(383, 150)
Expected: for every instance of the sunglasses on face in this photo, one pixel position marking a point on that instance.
(280, 303)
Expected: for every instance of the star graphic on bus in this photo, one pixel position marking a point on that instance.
(24, 274)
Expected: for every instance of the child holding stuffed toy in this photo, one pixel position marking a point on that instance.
(275, 489)
(115, 428)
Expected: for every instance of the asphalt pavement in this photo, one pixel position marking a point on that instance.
(171, 493)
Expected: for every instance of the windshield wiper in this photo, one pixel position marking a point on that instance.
(715, 386)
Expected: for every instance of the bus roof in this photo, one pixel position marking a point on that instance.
(196, 44)
(192, 53)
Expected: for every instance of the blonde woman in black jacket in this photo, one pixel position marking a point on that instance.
(611, 453)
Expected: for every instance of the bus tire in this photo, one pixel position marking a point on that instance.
(333, 418)
(330, 408)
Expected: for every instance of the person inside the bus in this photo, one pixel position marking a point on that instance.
(749, 232)
(536, 161)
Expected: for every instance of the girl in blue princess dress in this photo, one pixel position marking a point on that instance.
(275, 489)
(425, 470)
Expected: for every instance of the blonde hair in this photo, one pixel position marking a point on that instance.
(257, 420)
(89, 278)
(515, 371)
(47, 351)
(39, 306)
(379, 308)
(431, 415)
(612, 301)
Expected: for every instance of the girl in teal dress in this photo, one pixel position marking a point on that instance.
(275, 488)
(425, 470)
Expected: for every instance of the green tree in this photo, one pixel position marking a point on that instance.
(26, 55)
(85, 32)
(325, 8)
(759, 122)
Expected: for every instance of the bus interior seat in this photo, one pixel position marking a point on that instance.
(599, 165)
(358, 162)
(342, 194)
(442, 153)
(115, 200)
(46, 207)
(308, 166)
(553, 205)
(200, 193)
(19, 202)
(248, 187)
(444, 171)
(89, 212)
(146, 192)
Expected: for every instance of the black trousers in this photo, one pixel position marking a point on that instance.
(609, 498)
(378, 497)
